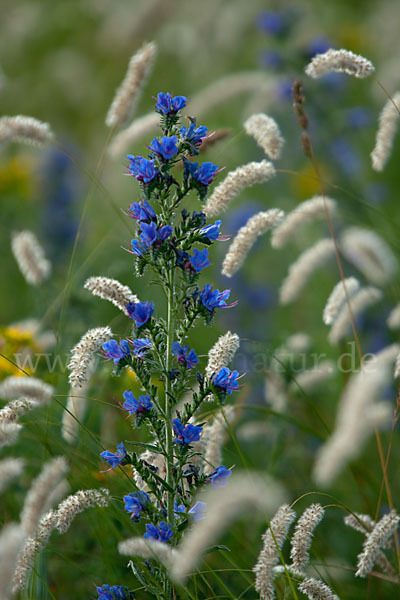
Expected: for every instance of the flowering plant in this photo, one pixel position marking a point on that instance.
(174, 244)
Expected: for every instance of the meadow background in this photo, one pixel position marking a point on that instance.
(61, 62)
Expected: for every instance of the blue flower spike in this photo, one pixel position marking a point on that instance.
(138, 406)
(184, 356)
(113, 592)
(140, 312)
(199, 260)
(135, 503)
(161, 533)
(226, 380)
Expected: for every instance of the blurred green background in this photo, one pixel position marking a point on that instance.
(61, 62)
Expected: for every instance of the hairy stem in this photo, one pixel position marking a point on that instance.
(168, 404)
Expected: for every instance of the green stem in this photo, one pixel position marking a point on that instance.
(168, 404)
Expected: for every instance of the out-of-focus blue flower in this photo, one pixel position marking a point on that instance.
(273, 23)
(358, 117)
(284, 89)
(376, 192)
(271, 58)
(318, 45)
(179, 508)
(116, 352)
(115, 458)
(219, 478)
(160, 533)
(214, 298)
(168, 105)
(184, 357)
(142, 405)
(114, 592)
(345, 156)
(199, 260)
(148, 233)
(141, 345)
(186, 435)
(211, 231)
(167, 147)
(143, 169)
(226, 379)
(135, 503)
(204, 173)
(140, 312)
(164, 232)
(142, 211)
(198, 510)
(335, 82)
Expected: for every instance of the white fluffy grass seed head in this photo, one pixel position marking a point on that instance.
(27, 387)
(303, 268)
(9, 433)
(337, 299)
(386, 131)
(35, 501)
(9, 469)
(360, 301)
(128, 94)
(393, 320)
(11, 539)
(375, 541)
(16, 408)
(234, 183)
(339, 61)
(246, 238)
(266, 133)
(302, 537)
(223, 505)
(138, 546)
(360, 397)
(112, 290)
(82, 354)
(77, 503)
(308, 379)
(307, 211)
(269, 555)
(30, 257)
(369, 253)
(315, 589)
(74, 413)
(27, 130)
(214, 436)
(222, 353)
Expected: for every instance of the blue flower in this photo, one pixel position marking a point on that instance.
(358, 117)
(162, 533)
(179, 508)
(116, 352)
(271, 58)
(148, 233)
(142, 168)
(318, 46)
(189, 359)
(214, 298)
(219, 478)
(168, 105)
(164, 232)
(133, 406)
(204, 173)
(117, 458)
(226, 380)
(193, 136)
(200, 259)
(115, 592)
(167, 147)
(141, 345)
(198, 510)
(186, 435)
(140, 312)
(142, 211)
(135, 503)
(274, 23)
(137, 248)
(211, 231)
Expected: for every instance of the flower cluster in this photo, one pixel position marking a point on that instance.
(173, 244)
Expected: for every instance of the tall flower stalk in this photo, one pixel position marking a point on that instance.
(172, 243)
